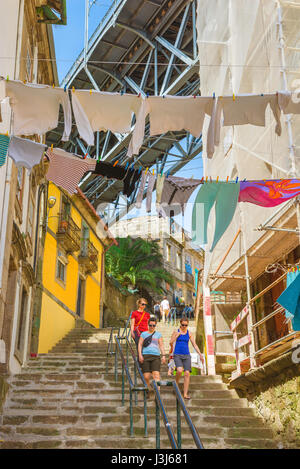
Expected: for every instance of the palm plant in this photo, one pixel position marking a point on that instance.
(137, 263)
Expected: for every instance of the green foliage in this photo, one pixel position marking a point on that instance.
(137, 263)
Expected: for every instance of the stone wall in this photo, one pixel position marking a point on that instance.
(116, 306)
(273, 390)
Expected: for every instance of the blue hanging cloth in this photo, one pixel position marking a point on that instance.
(290, 299)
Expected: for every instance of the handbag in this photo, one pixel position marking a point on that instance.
(148, 340)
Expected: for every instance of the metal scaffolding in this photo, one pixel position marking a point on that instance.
(140, 46)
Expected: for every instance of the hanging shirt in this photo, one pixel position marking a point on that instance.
(151, 182)
(225, 197)
(4, 142)
(269, 193)
(244, 109)
(66, 170)
(130, 181)
(36, 107)
(25, 152)
(96, 111)
(288, 102)
(140, 193)
(177, 191)
(171, 113)
(109, 170)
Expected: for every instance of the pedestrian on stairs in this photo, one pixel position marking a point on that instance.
(182, 356)
(139, 320)
(150, 347)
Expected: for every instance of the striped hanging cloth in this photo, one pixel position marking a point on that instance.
(4, 142)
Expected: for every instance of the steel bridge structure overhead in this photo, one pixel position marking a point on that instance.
(140, 46)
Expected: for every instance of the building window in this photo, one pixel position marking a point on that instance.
(61, 267)
(85, 236)
(22, 322)
(28, 65)
(178, 261)
(65, 207)
(168, 252)
(30, 217)
(20, 184)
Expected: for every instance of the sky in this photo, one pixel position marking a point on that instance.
(69, 42)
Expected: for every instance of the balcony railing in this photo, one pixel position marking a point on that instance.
(68, 233)
(189, 278)
(88, 256)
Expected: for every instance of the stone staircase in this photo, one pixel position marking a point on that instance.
(65, 399)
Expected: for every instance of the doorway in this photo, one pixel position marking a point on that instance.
(80, 297)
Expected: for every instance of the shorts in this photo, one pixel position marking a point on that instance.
(183, 361)
(151, 363)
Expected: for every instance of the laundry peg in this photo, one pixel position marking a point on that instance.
(7, 78)
(236, 181)
(90, 91)
(214, 95)
(227, 178)
(73, 89)
(233, 97)
(52, 147)
(6, 134)
(153, 172)
(217, 178)
(115, 163)
(206, 179)
(127, 165)
(53, 86)
(146, 170)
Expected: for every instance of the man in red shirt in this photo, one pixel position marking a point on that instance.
(139, 320)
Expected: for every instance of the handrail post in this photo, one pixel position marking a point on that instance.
(123, 383)
(135, 383)
(145, 413)
(178, 423)
(116, 364)
(131, 412)
(157, 420)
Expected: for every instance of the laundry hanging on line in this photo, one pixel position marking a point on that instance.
(129, 175)
(66, 170)
(269, 193)
(290, 299)
(25, 153)
(4, 142)
(36, 107)
(222, 195)
(97, 110)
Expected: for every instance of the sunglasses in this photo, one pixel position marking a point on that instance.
(143, 304)
(184, 325)
(152, 325)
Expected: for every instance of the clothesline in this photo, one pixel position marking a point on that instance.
(36, 107)
(113, 62)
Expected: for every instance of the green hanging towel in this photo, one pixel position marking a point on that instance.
(4, 142)
(225, 198)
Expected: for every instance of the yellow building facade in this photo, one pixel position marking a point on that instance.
(73, 266)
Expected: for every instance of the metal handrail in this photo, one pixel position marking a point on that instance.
(180, 406)
(132, 387)
(159, 408)
(180, 402)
